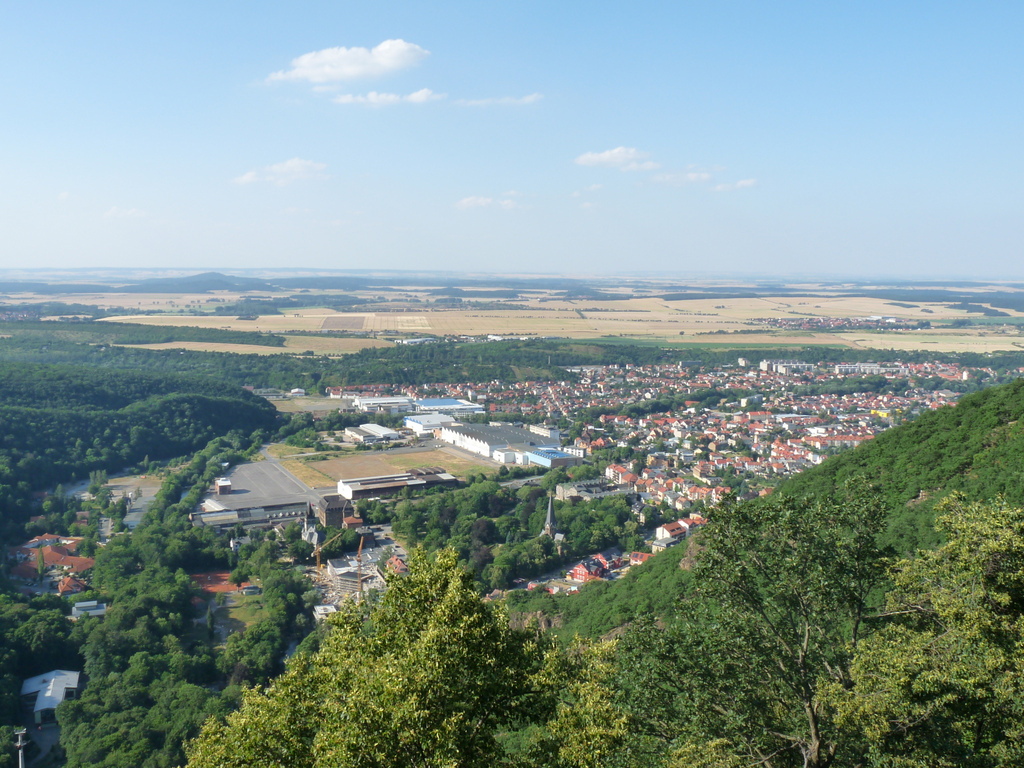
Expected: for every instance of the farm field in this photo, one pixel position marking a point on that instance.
(709, 321)
(318, 474)
(971, 341)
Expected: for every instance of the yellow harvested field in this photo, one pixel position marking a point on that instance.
(382, 463)
(936, 342)
(327, 345)
(648, 318)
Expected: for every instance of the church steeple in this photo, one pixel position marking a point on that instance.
(549, 521)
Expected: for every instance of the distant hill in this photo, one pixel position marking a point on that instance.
(201, 283)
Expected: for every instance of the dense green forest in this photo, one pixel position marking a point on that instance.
(61, 422)
(42, 332)
(975, 448)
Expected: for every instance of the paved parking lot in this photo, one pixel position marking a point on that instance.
(262, 483)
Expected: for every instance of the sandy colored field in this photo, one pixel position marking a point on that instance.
(382, 463)
(326, 345)
(936, 342)
(300, 404)
(214, 581)
(638, 318)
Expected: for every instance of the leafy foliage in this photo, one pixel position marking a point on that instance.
(425, 683)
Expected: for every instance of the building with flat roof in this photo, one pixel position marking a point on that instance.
(397, 404)
(215, 515)
(423, 423)
(507, 445)
(551, 458)
(384, 433)
(485, 439)
(387, 485)
(448, 405)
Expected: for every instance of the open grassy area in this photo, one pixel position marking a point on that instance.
(309, 473)
(247, 609)
(282, 450)
(457, 465)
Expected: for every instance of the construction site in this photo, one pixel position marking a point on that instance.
(351, 576)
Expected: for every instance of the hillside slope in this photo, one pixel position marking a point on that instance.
(975, 448)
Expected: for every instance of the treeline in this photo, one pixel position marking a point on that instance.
(92, 332)
(428, 363)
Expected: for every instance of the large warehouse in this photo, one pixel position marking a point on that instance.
(507, 445)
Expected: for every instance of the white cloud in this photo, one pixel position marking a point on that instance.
(332, 65)
(623, 158)
(504, 101)
(123, 213)
(485, 202)
(63, 195)
(741, 184)
(295, 169)
(373, 98)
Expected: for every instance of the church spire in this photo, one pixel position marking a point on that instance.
(549, 521)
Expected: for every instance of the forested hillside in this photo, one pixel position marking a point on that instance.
(62, 422)
(975, 448)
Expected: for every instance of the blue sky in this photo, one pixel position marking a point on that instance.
(855, 139)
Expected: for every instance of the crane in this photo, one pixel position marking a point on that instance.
(319, 548)
(359, 571)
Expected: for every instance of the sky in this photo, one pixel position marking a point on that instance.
(879, 138)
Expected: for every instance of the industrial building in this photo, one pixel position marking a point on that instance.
(507, 445)
(426, 423)
(387, 485)
(217, 516)
(384, 404)
(449, 405)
